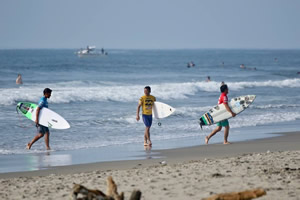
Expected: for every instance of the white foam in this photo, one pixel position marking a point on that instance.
(288, 83)
(191, 111)
(66, 92)
(271, 106)
(263, 118)
(21, 151)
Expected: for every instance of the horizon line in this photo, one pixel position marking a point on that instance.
(206, 48)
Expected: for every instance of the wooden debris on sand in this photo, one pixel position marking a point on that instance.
(80, 192)
(244, 195)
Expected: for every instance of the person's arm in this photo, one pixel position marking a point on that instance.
(37, 116)
(229, 110)
(138, 111)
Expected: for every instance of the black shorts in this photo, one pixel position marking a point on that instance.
(43, 129)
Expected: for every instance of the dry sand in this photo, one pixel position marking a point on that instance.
(189, 173)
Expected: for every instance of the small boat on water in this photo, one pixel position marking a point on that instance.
(91, 51)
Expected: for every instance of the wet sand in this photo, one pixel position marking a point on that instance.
(186, 173)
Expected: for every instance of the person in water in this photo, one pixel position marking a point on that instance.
(208, 79)
(42, 130)
(19, 80)
(146, 102)
(223, 99)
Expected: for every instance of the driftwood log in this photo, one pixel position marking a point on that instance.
(80, 192)
(244, 195)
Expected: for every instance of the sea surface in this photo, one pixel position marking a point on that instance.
(98, 96)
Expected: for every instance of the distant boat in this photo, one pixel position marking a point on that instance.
(91, 51)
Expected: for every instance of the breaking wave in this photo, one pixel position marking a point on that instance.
(66, 92)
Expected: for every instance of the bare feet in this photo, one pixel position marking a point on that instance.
(206, 140)
(147, 143)
(48, 148)
(147, 148)
(28, 146)
(227, 143)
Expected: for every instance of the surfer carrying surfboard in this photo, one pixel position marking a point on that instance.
(146, 102)
(223, 99)
(42, 130)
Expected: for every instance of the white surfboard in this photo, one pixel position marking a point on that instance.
(51, 119)
(47, 117)
(219, 113)
(161, 110)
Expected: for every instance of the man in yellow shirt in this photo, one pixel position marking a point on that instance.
(146, 102)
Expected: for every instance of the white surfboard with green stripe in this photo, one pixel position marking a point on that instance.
(47, 117)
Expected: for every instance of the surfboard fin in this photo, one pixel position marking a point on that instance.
(200, 123)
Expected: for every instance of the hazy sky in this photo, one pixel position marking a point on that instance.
(155, 24)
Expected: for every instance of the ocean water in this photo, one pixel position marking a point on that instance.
(99, 95)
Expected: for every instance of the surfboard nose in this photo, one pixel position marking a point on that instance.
(252, 97)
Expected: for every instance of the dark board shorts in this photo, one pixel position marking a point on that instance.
(42, 129)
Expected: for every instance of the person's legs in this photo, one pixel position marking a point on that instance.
(149, 141)
(148, 122)
(212, 133)
(147, 136)
(41, 130)
(226, 133)
(36, 138)
(47, 140)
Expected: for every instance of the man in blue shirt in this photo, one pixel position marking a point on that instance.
(42, 130)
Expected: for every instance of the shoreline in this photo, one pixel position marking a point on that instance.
(270, 164)
(289, 141)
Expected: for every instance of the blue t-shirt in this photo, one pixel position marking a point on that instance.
(43, 103)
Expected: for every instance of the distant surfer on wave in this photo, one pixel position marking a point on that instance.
(42, 130)
(223, 99)
(146, 102)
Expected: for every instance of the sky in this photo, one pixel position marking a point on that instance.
(150, 24)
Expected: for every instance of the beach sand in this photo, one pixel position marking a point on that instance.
(187, 173)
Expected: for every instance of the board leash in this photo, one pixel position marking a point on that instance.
(20, 121)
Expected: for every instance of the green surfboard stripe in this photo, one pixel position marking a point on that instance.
(26, 108)
(204, 120)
